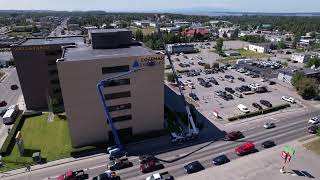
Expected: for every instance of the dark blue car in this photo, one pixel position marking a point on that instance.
(222, 159)
(193, 167)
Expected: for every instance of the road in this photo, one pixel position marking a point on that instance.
(57, 32)
(288, 128)
(10, 96)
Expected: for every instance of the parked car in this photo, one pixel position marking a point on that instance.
(191, 86)
(256, 105)
(239, 89)
(194, 96)
(268, 144)
(3, 103)
(288, 99)
(237, 94)
(241, 79)
(14, 87)
(266, 103)
(221, 78)
(222, 159)
(313, 120)
(245, 149)
(229, 97)
(230, 90)
(272, 83)
(193, 167)
(269, 125)
(313, 129)
(234, 135)
(243, 108)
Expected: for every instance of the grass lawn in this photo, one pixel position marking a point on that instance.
(19, 33)
(313, 146)
(244, 54)
(50, 138)
(145, 31)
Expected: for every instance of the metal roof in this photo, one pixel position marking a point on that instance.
(53, 41)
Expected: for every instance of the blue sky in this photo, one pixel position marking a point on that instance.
(161, 5)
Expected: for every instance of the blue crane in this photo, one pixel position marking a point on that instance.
(99, 87)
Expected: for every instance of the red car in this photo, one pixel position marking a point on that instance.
(74, 175)
(150, 166)
(3, 103)
(245, 149)
(234, 135)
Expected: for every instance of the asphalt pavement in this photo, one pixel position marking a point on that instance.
(10, 96)
(289, 128)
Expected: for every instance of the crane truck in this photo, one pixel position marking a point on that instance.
(192, 132)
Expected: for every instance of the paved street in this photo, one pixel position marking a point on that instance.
(10, 96)
(288, 128)
(265, 166)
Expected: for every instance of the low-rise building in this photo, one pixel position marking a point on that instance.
(192, 32)
(170, 29)
(300, 57)
(180, 48)
(228, 32)
(259, 48)
(285, 75)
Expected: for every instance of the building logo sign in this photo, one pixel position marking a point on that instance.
(152, 61)
(30, 48)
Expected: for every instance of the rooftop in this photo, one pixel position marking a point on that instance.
(108, 30)
(85, 52)
(307, 71)
(52, 41)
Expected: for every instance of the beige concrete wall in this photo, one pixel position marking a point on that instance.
(84, 110)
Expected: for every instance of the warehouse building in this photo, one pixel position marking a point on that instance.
(181, 48)
(35, 59)
(135, 101)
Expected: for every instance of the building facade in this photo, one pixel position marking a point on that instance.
(181, 48)
(135, 102)
(35, 60)
(259, 48)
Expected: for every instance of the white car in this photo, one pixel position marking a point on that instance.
(288, 99)
(191, 86)
(185, 83)
(314, 120)
(221, 78)
(189, 82)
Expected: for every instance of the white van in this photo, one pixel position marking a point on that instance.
(10, 116)
(243, 108)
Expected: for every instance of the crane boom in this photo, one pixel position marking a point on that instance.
(99, 86)
(190, 118)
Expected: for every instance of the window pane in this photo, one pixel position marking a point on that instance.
(120, 107)
(118, 82)
(115, 69)
(117, 95)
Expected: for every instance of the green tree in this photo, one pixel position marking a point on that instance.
(284, 64)
(170, 77)
(35, 29)
(207, 66)
(219, 45)
(296, 78)
(139, 35)
(281, 45)
(309, 88)
(215, 65)
(313, 62)
(225, 35)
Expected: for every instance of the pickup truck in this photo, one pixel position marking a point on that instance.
(160, 176)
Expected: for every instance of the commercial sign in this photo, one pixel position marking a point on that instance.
(151, 60)
(30, 48)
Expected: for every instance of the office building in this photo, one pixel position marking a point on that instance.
(180, 48)
(35, 59)
(135, 102)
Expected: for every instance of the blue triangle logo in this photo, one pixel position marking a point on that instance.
(136, 65)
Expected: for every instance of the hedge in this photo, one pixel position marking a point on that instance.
(256, 113)
(16, 127)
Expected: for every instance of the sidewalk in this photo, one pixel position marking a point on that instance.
(48, 165)
(265, 166)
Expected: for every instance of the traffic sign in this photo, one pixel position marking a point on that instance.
(289, 150)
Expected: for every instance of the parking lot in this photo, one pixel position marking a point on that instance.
(209, 101)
